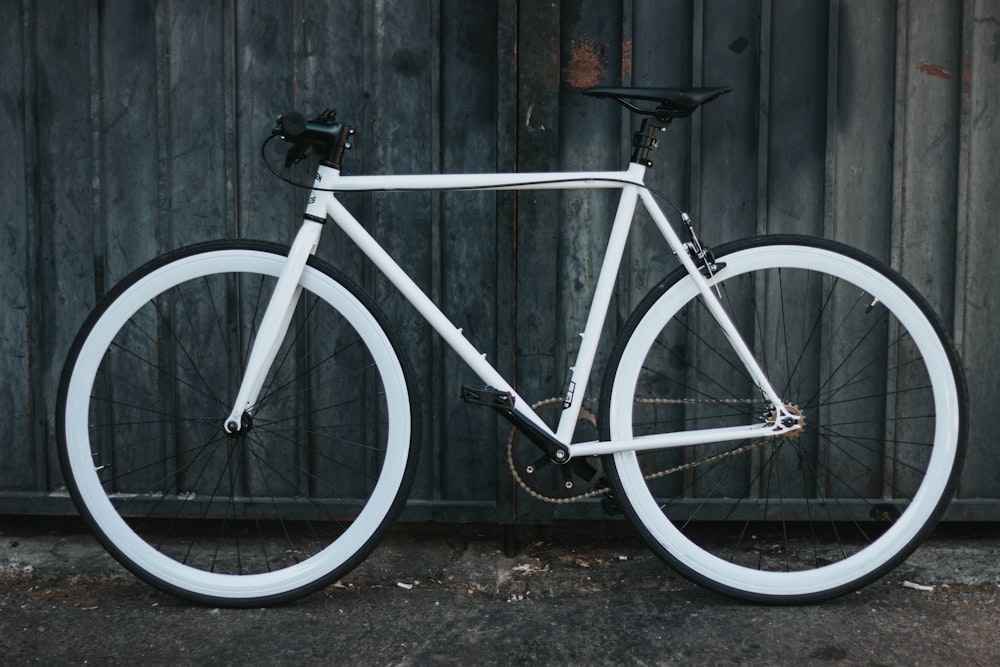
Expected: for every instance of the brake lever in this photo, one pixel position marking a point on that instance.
(297, 153)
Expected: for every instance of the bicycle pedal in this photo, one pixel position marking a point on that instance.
(611, 506)
(490, 397)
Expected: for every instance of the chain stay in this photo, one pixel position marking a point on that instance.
(651, 476)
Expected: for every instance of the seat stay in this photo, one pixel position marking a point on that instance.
(714, 306)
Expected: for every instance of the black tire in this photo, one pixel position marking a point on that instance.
(297, 499)
(858, 351)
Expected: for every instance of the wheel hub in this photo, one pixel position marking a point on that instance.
(797, 417)
(245, 426)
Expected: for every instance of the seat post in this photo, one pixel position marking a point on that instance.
(644, 141)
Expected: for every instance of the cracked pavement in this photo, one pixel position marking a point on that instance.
(574, 593)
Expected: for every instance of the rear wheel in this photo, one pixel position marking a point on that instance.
(306, 488)
(847, 343)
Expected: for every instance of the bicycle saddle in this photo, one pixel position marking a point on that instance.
(672, 102)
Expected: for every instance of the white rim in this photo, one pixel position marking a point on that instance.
(902, 531)
(117, 530)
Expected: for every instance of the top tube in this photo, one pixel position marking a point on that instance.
(568, 180)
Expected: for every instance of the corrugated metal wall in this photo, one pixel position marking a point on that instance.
(133, 127)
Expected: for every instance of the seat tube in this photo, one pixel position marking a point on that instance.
(603, 292)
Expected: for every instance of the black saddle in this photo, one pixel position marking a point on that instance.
(671, 102)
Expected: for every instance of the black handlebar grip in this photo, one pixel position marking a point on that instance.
(292, 124)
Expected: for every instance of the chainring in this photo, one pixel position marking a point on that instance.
(546, 480)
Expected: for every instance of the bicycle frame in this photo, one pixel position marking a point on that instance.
(323, 204)
(310, 478)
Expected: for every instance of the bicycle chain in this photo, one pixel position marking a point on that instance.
(514, 434)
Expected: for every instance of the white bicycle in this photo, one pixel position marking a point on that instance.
(782, 419)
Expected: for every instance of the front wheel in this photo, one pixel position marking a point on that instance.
(295, 499)
(847, 343)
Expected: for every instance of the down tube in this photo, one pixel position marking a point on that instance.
(451, 334)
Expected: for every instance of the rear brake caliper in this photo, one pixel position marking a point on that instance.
(702, 255)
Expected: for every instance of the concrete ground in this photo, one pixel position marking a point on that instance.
(574, 594)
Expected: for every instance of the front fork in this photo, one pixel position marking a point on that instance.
(273, 326)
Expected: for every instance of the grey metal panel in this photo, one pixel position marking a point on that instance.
(928, 66)
(538, 369)
(792, 126)
(63, 240)
(926, 150)
(17, 428)
(131, 128)
(465, 441)
(658, 52)
(977, 282)
(724, 176)
(860, 104)
(127, 153)
(590, 54)
(538, 212)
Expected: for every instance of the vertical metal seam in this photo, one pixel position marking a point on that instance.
(164, 168)
(697, 76)
(623, 289)
(966, 147)
(368, 277)
(897, 215)
(506, 137)
(230, 83)
(97, 157)
(829, 225)
(763, 113)
(33, 264)
(438, 370)
(897, 218)
(829, 229)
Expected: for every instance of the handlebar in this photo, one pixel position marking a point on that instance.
(291, 125)
(328, 137)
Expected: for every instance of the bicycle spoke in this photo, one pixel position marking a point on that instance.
(314, 462)
(826, 332)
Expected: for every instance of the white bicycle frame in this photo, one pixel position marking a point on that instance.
(323, 204)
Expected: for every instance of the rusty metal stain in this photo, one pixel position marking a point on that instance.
(933, 70)
(627, 61)
(586, 66)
